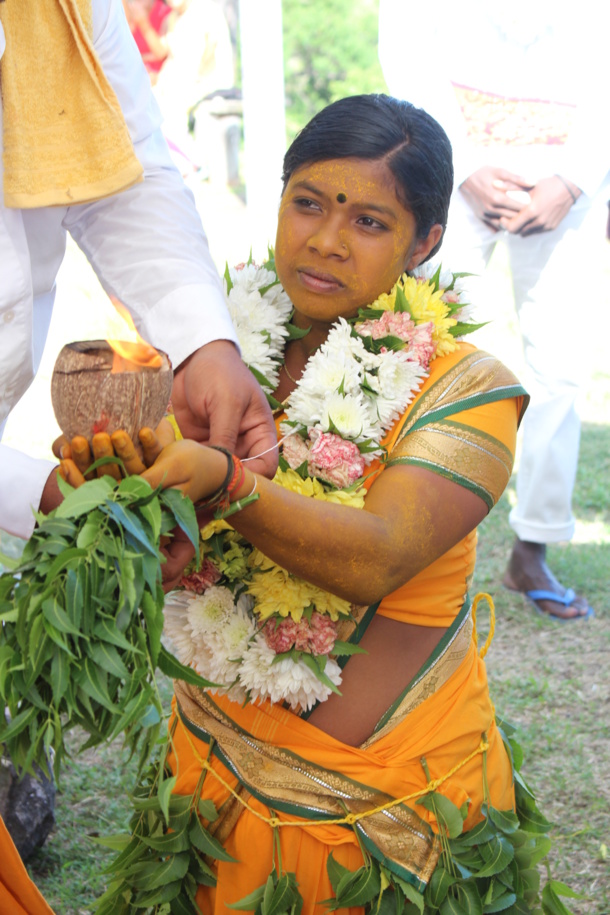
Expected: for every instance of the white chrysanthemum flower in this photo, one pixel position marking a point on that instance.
(230, 643)
(352, 417)
(304, 408)
(210, 611)
(255, 666)
(328, 374)
(176, 627)
(251, 277)
(399, 378)
(255, 351)
(290, 681)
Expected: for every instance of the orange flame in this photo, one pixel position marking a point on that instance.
(131, 352)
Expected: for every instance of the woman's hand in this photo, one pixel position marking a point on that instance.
(192, 468)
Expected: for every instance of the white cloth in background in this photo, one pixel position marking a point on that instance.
(555, 61)
(200, 62)
(146, 245)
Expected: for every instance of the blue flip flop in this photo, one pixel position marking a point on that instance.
(564, 599)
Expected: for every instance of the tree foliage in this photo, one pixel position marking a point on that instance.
(330, 51)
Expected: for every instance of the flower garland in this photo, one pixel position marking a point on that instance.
(242, 621)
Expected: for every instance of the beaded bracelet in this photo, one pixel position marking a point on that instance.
(221, 498)
(239, 503)
(214, 498)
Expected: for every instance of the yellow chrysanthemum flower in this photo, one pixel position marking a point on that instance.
(343, 497)
(386, 301)
(214, 527)
(427, 305)
(291, 480)
(277, 591)
(312, 487)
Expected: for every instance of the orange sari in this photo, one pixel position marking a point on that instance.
(18, 895)
(268, 770)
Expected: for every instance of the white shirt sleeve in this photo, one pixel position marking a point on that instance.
(21, 484)
(147, 244)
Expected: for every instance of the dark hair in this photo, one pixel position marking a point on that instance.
(415, 147)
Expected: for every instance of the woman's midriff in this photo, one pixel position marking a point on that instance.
(395, 652)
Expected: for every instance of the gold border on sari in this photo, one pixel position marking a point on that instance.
(294, 786)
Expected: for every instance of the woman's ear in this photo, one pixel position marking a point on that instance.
(423, 246)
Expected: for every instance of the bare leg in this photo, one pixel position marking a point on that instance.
(527, 571)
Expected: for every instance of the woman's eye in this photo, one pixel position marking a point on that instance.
(306, 203)
(369, 223)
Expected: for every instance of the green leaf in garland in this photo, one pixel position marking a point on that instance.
(503, 902)
(506, 820)
(164, 794)
(402, 303)
(447, 814)
(315, 665)
(132, 526)
(57, 617)
(497, 854)
(438, 887)
(467, 898)
(250, 902)
(297, 333)
(87, 497)
(206, 843)
(362, 889)
(346, 648)
(462, 330)
(158, 896)
(60, 674)
(335, 871)
(107, 657)
(414, 896)
(171, 667)
(551, 903)
(183, 511)
(93, 681)
(170, 843)
(153, 615)
(228, 280)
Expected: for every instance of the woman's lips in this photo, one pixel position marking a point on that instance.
(317, 281)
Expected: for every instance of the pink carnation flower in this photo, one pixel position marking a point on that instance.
(316, 637)
(323, 633)
(334, 459)
(281, 635)
(421, 346)
(199, 581)
(295, 451)
(391, 323)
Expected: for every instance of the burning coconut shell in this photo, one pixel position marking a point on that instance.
(95, 390)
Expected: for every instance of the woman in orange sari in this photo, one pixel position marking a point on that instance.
(18, 895)
(349, 757)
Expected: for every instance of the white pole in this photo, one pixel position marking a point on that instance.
(260, 23)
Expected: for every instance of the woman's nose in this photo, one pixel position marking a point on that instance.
(330, 240)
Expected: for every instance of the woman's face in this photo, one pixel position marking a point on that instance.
(343, 237)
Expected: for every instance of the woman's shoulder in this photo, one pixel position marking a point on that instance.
(467, 376)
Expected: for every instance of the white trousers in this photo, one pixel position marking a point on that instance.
(551, 282)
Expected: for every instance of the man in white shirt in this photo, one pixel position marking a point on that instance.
(522, 93)
(148, 248)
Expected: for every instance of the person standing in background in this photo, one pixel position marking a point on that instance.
(149, 21)
(200, 62)
(522, 94)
